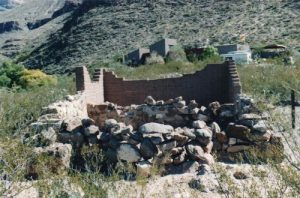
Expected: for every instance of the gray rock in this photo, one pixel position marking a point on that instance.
(167, 145)
(155, 128)
(193, 104)
(86, 122)
(150, 100)
(128, 153)
(215, 127)
(205, 133)
(91, 130)
(110, 123)
(72, 124)
(199, 124)
(203, 117)
(238, 131)
(261, 126)
(180, 104)
(63, 152)
(143, 168)
(249, 116)
(148, 149)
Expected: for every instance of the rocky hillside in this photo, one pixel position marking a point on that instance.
(100, 29)
(30, 22)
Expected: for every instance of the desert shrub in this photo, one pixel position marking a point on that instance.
(271, 79)
(154, 59)
(176, 53)
(4, 81)
(209, 52)
(10, 74)
(33, 78)
(18, 108)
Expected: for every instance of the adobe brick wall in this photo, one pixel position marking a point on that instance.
(92, 88)
(216, 82)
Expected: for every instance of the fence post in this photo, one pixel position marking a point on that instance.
(293, 104)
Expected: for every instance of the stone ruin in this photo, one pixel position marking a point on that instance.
(173, 133)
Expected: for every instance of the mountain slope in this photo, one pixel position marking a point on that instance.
(30, 22)
(100, 29)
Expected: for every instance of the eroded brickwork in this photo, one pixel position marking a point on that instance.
(216, 82)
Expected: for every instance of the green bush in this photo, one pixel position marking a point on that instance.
(19, 108)
(10, 74)
(209, 52)
(176, 53)
(33, 78)
(154, 59)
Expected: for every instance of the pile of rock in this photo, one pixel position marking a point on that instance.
(171, 132)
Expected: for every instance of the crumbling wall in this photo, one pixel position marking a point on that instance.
(91, 88)
(216, 82)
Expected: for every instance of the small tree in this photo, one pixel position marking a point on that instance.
(11, 74)
(176, 53)
(33, 78)
(209, 52)
(154, 59)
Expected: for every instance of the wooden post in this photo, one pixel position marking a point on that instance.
(293, 103)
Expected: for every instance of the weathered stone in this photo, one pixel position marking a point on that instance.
(148, 149)
(240, 175)
(215, 128)
(199, 124)
(121, 129)
(86, 122)
(110, 123)
(167, 145)
(180, 158)
(178, 99)
(155, 128)
(237, 148)
(195, 112)
(208, 148)
(150, 100)
(227, 110)
(193, 104)
(189, 133)
(62, 152)
(184, 110)
(232, 141)
(49, 135)
(249, 116)
(260, 126)
(194, 151)
(238, 131)
(177, 150)
(222, 137)
(203, 133)
(181, 139)
(214, 108)
(143, 169)
(91, 130)
(203, 117)
(128, 153)
(71, 124)
(203, 136)
(180, 104)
